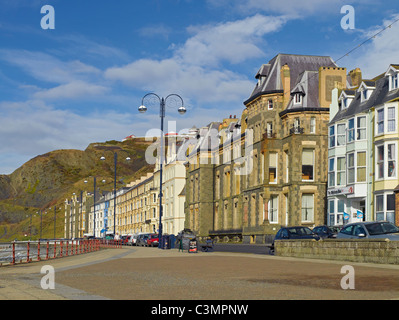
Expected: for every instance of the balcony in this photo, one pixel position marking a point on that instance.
(269, 134)
(297, 130)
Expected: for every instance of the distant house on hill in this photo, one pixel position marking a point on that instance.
(132, 136)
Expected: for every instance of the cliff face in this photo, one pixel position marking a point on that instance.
(52, 177)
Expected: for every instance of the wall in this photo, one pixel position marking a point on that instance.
(371, 251)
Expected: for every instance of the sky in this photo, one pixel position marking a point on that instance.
(83, 80)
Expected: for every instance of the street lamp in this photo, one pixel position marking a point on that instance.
(181, 110)
(94, 203)
(115, 162)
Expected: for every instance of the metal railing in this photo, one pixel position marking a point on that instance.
(15, 252)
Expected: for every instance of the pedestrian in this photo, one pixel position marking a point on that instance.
(181, 244)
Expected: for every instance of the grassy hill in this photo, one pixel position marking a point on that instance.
(49, 179)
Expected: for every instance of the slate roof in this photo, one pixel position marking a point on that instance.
(297, 63)
(380, 95)
(308, 84)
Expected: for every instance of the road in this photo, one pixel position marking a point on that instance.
(139, 273)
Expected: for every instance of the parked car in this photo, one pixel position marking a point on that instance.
(326, 231)
(370, 230)
(153, 240)
(142, 239)
(134, 239)
(292, 233)
(125, 239)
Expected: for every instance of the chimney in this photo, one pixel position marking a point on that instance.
(356, 77)
(286, 82)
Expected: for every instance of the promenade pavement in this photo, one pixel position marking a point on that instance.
(137, 273)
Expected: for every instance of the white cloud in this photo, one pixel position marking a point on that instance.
(233, 42)
(72, 90)
(196, 67)
(45, 67)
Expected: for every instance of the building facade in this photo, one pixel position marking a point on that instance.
(283, 141)
(363, 150)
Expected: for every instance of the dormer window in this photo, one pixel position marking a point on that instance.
(366, 89)
(364, 95)
(298, 98)
(393, 75)
(346, 99)
(394, 81)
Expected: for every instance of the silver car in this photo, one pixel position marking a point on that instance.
(369, 230)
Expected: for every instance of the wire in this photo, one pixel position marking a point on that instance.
(354, 49)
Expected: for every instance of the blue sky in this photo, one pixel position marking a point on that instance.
(83, 81)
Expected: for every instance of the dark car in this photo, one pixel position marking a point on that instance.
(370, 230)
(152, 240)
(293, 233)
(326, 231)
(142, 240)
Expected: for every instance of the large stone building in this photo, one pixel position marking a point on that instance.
(270, 167)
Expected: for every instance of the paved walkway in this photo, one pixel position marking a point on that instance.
(149, 273)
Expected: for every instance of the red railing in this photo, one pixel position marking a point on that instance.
(28, 251)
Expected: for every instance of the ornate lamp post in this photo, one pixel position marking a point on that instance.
(182, 110)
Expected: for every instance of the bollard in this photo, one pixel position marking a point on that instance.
(47, 250)
(27, 252)
(61, 248)
(66, 251)
(13, 253)
(38, 251)
(55, 249)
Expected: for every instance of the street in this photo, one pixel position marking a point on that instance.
(140, 273)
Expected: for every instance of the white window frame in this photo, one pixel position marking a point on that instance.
(393, 81)
(270, 104)
(384, 121)
(343, 170)
(384, 210)
(331, 172)
(348, 169)
(276, 175)
(358, 128)
(385, 161)
(331, 136)
(273, 212)
(351, 131)
(342, 135)
(313, 165)
(297, 98)
(360, 167)
(312, 207)
(313, 125)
